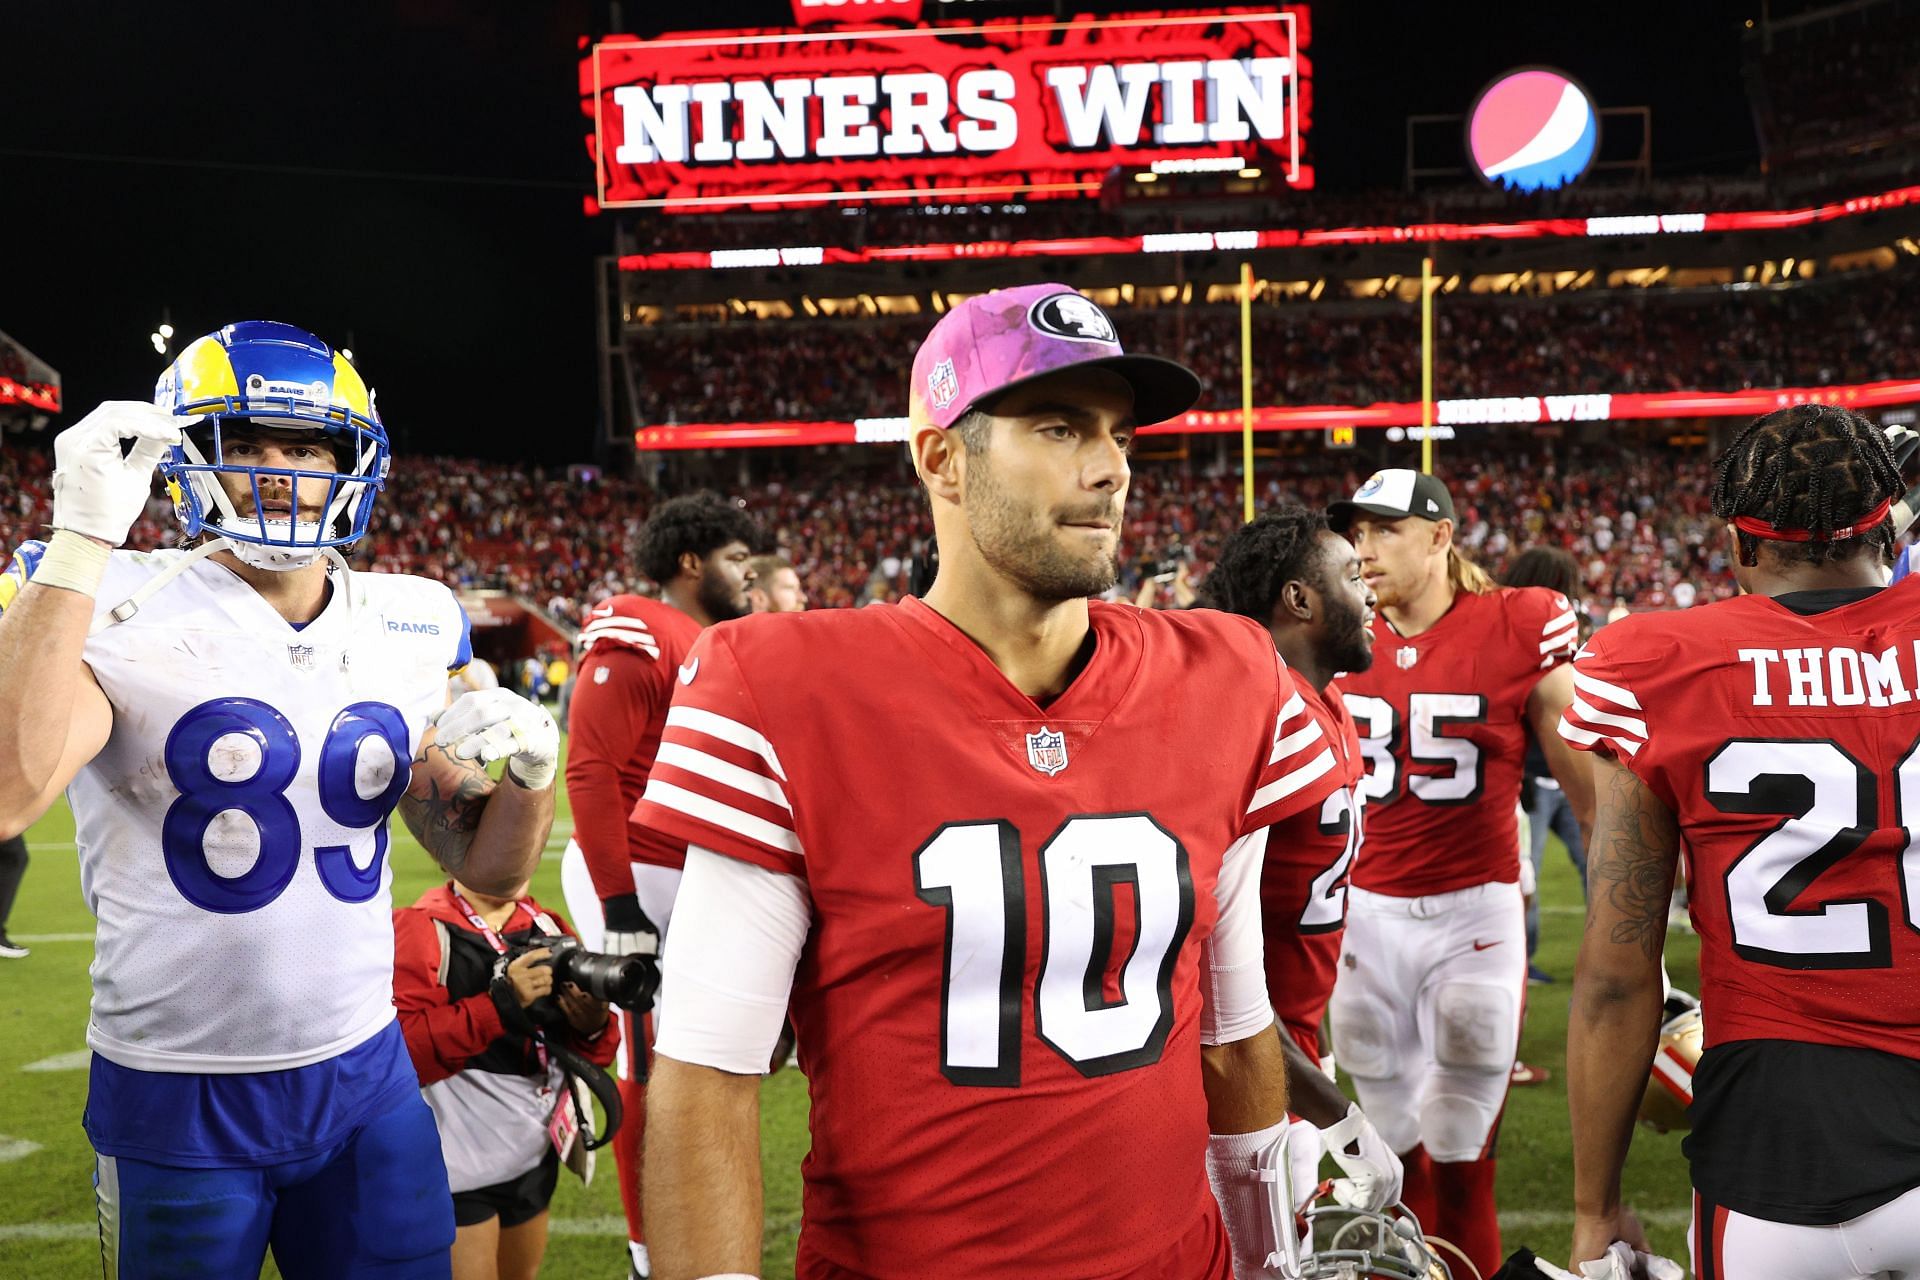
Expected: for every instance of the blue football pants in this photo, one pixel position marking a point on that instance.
(375, 1206)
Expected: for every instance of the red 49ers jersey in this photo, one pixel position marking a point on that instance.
(1785, 745)
(1443, 723)
(620, 697)
(998, 1004)
(1303, 884)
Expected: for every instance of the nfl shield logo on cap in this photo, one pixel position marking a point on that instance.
(1047, 751)
(942, 385)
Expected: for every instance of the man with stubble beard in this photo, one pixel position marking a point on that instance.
(1000, 851)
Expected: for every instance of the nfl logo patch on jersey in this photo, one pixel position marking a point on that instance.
(942, 385)
(1405, 657)
(301, 656)
(1047, 751)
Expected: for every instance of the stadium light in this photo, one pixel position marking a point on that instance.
(166, 330)
(346, 353)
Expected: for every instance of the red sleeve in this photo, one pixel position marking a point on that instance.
(1608, 713)
(718, 781)
(1300, 769)
(607, 724)
(442, 1034)
(1545, 626)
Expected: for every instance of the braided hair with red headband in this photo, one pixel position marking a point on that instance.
(1816, 481)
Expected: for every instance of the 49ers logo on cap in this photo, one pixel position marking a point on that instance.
(1070, 316)
(942, 385)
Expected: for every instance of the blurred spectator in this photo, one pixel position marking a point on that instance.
(776, 585)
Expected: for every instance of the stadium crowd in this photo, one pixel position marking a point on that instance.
(1851, 329)
(1636, 519)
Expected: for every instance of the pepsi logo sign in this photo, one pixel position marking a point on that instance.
(1533, 130)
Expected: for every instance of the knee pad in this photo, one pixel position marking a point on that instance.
(1455, 1126)
(1475, 1027)
(1362, 1036)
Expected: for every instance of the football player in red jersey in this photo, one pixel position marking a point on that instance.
(1000, 848)
(619, 876)
(1426, 1010)
(1292, 574)
(1772, 738)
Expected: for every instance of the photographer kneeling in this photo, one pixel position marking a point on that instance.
(503, 1013)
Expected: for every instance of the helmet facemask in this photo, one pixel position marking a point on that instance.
(262, 539)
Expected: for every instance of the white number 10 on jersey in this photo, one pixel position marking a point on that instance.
(973, 871)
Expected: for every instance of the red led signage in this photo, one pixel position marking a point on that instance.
(978, 111)
(1638, 225)
(852, 13)
(1448, 414)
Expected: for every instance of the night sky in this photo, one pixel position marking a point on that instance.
(410, 174)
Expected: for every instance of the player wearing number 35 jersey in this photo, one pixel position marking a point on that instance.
(1426, 1009)
(1773, 740)
(233, 725)
(1002, 849)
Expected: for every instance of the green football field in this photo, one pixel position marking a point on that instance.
(46, 1203)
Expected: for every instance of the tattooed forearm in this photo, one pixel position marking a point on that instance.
(1630, 877)
(443, 805)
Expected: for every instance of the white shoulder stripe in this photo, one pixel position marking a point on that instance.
(1560, 623)
(1295, 705)
(700, 720)
(1589, 714)
(1295, 742)
(724, 816)
(1601, 689)
(1288, 783)
(731, 776)
(1586, 737)
(1560, 639)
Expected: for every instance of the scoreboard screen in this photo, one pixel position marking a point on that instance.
(1008, 108)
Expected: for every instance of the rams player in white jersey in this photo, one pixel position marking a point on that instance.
(232, 723)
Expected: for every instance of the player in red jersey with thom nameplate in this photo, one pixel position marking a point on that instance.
(619, 876)
(1292, 574)
(1001, 848)
(1773, 739)
(1426, 1010)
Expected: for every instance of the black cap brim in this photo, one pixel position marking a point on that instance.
(1340, 514)
(1162, 388)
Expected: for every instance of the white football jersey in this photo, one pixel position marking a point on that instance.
(233, 831)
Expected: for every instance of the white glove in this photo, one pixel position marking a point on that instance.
(98, 490)
(1622, 1262)
(487, 724)
(1374, 1173)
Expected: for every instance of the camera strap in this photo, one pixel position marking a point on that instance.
(499, 945)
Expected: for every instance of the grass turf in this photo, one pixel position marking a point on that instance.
(46, 1198)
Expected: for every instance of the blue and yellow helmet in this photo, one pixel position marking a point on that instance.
(271, 375)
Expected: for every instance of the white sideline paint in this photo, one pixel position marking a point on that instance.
(15, 1148)
(75, 1061)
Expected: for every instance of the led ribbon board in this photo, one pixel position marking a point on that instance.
(1542, 409)
(982, 111)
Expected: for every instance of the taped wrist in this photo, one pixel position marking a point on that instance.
(1249, 1175)
(73, 562)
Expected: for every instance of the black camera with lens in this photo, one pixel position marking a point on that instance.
(627, 982)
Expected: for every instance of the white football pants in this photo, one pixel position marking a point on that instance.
(1426, 1013)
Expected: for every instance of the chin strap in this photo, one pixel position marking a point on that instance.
(146, 591)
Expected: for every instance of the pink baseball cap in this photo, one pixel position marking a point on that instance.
(996, 341)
